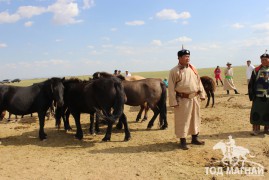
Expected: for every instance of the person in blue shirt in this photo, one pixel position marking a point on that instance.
(165, 82)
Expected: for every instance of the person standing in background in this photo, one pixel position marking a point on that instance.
(249, 70)
(228, 81)
(217, 73)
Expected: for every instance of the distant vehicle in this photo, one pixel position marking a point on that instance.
(16, 80)
(6, 81)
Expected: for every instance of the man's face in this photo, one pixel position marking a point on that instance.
(248, 63)
(265, 61)
(184, 60)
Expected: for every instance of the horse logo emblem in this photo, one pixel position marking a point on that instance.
(234, 160)
(232, 154)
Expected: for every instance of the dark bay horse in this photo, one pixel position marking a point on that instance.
(30, 99)
(88, 97)
(150, 90)
(210, 87)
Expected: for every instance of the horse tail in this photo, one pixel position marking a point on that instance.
(119, 101)
(162, 107)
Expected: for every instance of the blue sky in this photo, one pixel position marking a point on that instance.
(44, 38)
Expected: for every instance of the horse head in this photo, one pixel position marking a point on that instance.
(57, 88)
(219, 145)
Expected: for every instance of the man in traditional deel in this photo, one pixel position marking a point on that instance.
(258, 90)
(185, 92)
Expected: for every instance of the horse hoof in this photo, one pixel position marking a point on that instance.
(163, 127)
(79, 137)
(105, 139)
(43, 138)
(127, 138)
(119, 127)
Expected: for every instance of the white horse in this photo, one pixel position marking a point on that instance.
(233, 153)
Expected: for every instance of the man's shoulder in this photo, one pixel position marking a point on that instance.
(174, 68)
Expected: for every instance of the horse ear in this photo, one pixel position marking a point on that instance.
(63, 79)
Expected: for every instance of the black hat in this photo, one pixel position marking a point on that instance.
(265, 55)
(183, 52)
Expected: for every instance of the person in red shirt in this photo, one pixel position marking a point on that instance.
(217, 73)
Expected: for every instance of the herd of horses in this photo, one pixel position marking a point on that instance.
(103, 95)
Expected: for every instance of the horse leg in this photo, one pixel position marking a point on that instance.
(208, 98)
(67, 126)
(163, 118)
(97, 130)
(126, 128)
(108, 132)
(146, 113)
(213, 98)
(91, 123)
(9, 116)
(79, 133)
(151, 122)
(119, 124)
(41, 117)
(140, 113)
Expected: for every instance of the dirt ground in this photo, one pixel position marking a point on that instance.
(150, 154)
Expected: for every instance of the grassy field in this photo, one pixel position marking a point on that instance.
(239, 75)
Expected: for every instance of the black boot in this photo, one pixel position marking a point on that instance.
(196, 141)
(228, 92)
(221, 83)
(183, 144)
(217, 83)
(235, 91)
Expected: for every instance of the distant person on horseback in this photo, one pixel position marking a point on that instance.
(217, 73)
(258, 92)
(185, 90)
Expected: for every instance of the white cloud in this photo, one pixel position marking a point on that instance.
(171, 14)
(3, 45)
(156, 42)
(135, 23)
(262, 26)
(58, 40)
(185, 22)
(64, 12)
(5, 17)
(29, 11)
(28, 23)
(90, 46)
(238, 26)
(182, 39)
(88, 4)
(113, 29)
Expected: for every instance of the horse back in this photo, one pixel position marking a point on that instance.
(141, 91)
(19, 100)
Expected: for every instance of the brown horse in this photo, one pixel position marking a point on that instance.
(143, 107)
(151, 91)
(210, 87)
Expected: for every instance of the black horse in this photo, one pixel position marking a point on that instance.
(35, 98)
(90, 97)
(151, 91)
